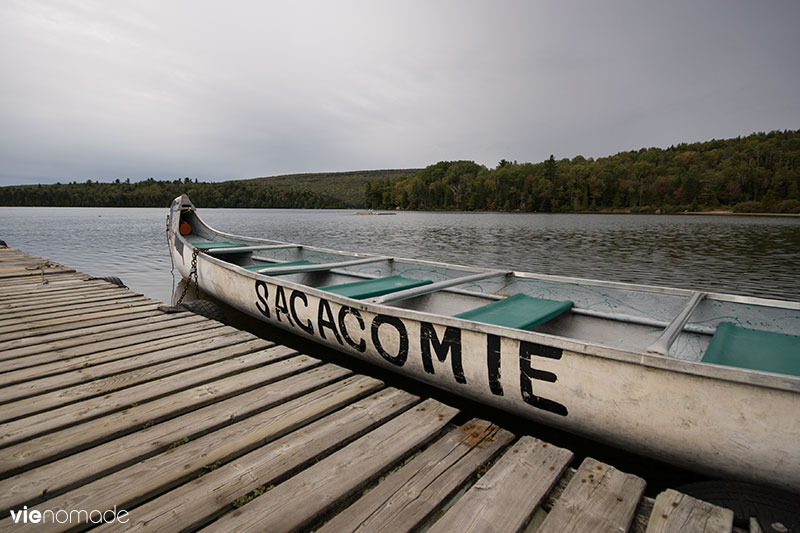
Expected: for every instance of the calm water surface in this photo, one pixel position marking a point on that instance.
(746, 255)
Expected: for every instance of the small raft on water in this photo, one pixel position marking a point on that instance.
(707, 381)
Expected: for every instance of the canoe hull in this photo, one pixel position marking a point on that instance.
(651, 406)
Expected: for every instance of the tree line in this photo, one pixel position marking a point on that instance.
(757, 173)
(155, 193)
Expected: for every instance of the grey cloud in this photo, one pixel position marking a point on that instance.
(97, 90)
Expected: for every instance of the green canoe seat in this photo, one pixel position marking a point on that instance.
(518, 311)
(213, 245)
(276, 265)
(375, 287)
(754, 349)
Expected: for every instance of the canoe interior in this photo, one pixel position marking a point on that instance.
(619, 316)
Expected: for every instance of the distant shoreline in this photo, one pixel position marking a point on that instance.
(731, 213)
(455, 211)
(716, 212)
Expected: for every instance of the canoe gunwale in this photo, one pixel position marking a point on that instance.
(731, 374)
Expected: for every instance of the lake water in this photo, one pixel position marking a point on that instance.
(758, 256)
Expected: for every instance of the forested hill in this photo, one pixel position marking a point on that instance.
(757, 173)
(328, 190)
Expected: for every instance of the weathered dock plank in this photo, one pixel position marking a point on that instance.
(506, 497)
(674, 511)
(132, 333)
(66, 296)
(182, 463)
(28, 329)
(24, 272)
(296, 502)
(145, 360)
(598, 498)
(118, 381)
(55, 317)
(185, 423)
(46, 306)
(135, 417)
(18, 430)
(83, 333)
(231, 485)
(32, 322)
(409, 496)
(182, 336)
(184, 324)
(61, 475)
(42, 275)
(51, 287)
(49, 282)
(31, 264)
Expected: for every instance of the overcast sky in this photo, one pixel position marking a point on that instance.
(105, 89)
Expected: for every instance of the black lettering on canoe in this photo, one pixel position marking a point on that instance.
(262, 293)
(402, 353)
(528, 373)
(300, 295)
(361, 345)
(540, 350)
(325, 320)
(451, 342)
(493, 364)
(281, 305)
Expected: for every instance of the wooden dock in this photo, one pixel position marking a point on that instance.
(177, 422)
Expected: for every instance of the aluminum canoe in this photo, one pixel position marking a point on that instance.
(707, 381)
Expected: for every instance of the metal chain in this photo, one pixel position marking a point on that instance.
(192, 277)
(193, 273)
